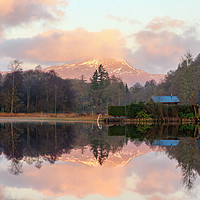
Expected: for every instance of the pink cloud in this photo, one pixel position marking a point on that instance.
(14, 12)
(66, 46)
(158, 181)
(159, 44)
(116, 18)
(77, 180)
(160, 23)
(123, 19)
(1, 192)
(155, 197)
(159, 52)
(160, 48)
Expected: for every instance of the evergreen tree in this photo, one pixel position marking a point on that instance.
(99, 81)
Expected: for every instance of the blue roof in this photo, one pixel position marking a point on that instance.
(166, 142)
(198, 98)
(198, 142)
(165, 99)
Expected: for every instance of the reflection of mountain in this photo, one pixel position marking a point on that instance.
(121, 158)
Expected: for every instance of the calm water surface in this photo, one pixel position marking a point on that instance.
(59, 161)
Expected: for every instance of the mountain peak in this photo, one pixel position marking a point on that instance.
(118, 67)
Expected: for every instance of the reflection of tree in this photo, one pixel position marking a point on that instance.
(100, 150)
(188, 169)
(102, 144)
(187, 155)
(16, 167)
(36, 143)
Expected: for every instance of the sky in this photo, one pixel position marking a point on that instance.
(151, 35)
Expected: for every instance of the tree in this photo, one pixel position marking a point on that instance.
(116, 91)
(94, 90)
(81, 89)
(103, 77)
(98, 95)
(14, 66)
(136, 92)
(12, 92)
(1, 92)
(27, 87)
(38, 67)
(54, 81)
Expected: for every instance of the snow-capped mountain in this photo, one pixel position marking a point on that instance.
(119, 68)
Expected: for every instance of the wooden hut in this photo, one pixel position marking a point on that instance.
(166, 99)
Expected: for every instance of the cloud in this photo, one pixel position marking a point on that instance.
(155, 197)
(159, 45)
(153, 182)
(14, 13)
(77, 180)
(160, 23)
(159, 52)
(116, 18)
(65, 46)
(157, 177)
(1, 192)
(123, 19)
(156, 48)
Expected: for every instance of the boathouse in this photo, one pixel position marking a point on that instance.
(165, 99)
(198, 98)
(198, 101)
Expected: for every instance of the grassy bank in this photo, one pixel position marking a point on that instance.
(49, 116)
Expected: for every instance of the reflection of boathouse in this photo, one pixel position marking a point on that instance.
(166, 142)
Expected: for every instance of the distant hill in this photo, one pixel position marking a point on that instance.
(119, 68)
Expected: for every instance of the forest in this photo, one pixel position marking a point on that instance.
(36, 91)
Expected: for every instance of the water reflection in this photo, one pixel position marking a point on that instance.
(35, 143)
(181, 143)
(43, 144)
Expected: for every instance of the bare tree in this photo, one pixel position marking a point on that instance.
(38, 67)
(14, 66)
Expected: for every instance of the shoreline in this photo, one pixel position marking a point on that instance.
(34, 117)
(14, 119)
(83, 118)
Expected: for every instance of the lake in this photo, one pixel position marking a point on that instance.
(58, 161)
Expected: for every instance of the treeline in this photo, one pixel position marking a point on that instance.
(37, 91)
(183, 82)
